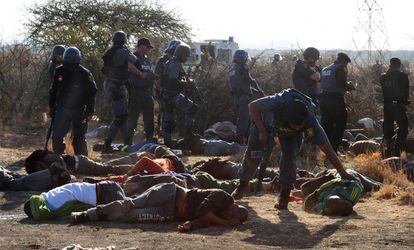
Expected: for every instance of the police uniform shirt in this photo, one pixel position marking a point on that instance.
(241, 80)
(301, 78)
(123, 55)
(334, 78)
(159, 67)
(73, 90)
(269, 104)
(395, 86)
(144, 65)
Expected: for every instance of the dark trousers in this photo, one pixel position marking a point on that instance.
(241, 104)
(157, 204)
(333, 117)
(255, 154)
(395, 113)
(115, 92)
(63, 120)
(140, 102)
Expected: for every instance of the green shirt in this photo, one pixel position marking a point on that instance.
(349, 190)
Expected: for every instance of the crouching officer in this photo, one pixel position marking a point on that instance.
(395, 92)
(173, 83)
(118, 60)
(241, 86)
(306, 74)
(55, 60)
(285, 115)
(140, 99)
(71, 101)
(332, 101)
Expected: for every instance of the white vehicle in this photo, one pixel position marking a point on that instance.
(221, 50)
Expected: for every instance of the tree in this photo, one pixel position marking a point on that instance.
(89, 24)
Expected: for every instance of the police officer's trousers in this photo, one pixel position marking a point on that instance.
(333, 117)
(140, 102)
(255, 152)
(173, 106)
(395, 113)
(63, 119)
(115, 92)
(241, 103)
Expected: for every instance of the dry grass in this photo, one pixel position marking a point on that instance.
(395, 184)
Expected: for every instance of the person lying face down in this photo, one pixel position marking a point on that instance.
(209, 147)
(61, 201)
(332, 195)
(55, 175)
(163, 202)
(79, 164)
(401, 164)
(137, 184)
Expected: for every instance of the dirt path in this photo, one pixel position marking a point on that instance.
(374, 225)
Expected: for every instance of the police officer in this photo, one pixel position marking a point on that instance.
(395, 92)
(140, 99)
(159, 70)
(71, 101)
(306, 74)
(118, 60)
(55, 60)
(332, 101)
(285, 115)
(173, 83)
(241, 86)
(168, 55)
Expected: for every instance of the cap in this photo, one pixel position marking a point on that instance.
(395, 61)
(144, 41)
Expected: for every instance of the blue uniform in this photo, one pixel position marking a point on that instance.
(302, 81)
(173, 101)
(270, 108)
(332, 102)
(116, 62)
(241, 84)
(72, 95)
(140, 100)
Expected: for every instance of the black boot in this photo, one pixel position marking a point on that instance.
(108, 146)
(240, 190)
(283, 199)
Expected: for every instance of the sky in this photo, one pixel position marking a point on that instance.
(260, 24)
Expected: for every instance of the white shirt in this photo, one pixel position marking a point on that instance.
(83, 192)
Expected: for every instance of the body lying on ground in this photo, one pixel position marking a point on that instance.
(329, 194)
(61, 201)
(209, 147)
(168, 201)
(79, 164)
(137, 184)
(55, 175)
(401, 164)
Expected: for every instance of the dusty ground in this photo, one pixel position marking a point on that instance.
(376, 224)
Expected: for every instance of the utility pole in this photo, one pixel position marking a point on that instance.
(370, 38)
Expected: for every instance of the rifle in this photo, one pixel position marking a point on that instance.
(49, 132)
